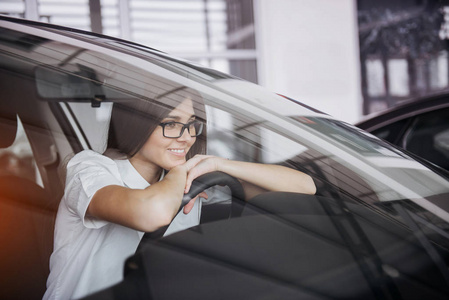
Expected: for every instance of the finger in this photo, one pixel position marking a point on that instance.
(188, 185)
(190, 177)
(204, 164)
(188, 207)
(190, 164)
(196, 160)
(203, 195)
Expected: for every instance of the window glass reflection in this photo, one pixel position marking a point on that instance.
(17, 160)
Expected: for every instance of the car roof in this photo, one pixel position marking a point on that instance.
(71, 31)
(407, 109)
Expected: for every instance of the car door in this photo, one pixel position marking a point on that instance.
(426, 135)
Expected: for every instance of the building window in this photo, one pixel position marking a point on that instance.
(375, 77)
(408, 42)
(438, 71)
(398, 80)
(215, 33)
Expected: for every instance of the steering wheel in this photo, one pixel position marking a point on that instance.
(200, 184)
(210, 179)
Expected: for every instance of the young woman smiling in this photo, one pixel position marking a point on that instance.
(109, 203)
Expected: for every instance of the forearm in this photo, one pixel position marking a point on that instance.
(167, 193)
(144, 210)
(269, 177)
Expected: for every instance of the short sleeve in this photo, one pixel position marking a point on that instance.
(88, 172)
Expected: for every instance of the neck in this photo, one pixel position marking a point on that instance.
(151, 173)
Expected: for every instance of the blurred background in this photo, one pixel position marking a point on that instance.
(349, 58)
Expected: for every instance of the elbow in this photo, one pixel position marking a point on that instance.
(164, 219)
(309, 186)
(312, 189)
(153, 218)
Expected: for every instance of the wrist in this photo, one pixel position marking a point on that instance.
(221, 164)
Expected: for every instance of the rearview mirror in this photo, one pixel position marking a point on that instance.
(76, 82)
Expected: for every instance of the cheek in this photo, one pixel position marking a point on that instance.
(153, 143)
(155, 139)
(192, 143)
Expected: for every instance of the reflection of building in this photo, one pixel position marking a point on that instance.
(345, 57)
(215, 33)
(303, 49)
(403, 50)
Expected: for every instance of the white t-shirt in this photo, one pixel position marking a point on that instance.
(89, 253)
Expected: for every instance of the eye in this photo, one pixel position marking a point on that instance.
(170, 125)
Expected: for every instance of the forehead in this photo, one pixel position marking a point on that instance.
(176, 99)
(185, 108)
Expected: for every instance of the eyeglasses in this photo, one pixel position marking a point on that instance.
(175, 130)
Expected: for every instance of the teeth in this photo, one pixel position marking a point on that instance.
(177, 150)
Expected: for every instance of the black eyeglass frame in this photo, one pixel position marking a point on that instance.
(184, 127)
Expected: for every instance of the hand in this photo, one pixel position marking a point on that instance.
(199, 165)
(188, 207)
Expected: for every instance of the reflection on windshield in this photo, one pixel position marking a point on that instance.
(388, 167)
(352, 170)
(347, 164)
(241, 124)
(345, 161)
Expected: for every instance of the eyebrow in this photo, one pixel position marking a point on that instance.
(177, 118)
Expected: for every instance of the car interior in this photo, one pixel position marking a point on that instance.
(37, 138)
(28, 202)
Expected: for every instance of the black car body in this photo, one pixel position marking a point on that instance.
(420, 126)
(377, 227)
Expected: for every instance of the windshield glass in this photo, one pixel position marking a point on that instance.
(79, 83)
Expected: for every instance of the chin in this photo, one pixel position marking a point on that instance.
(173, 164)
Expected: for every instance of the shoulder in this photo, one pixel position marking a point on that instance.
(90, 156)
(89, 171)
(88, 161)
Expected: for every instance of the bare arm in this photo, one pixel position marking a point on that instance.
(258, 177)
(144, 210)
(269, 177)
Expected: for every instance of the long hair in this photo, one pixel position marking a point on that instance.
(133, 122)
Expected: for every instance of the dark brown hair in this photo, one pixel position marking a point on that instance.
(132, 122)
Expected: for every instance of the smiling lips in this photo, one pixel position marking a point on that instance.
(179, 152)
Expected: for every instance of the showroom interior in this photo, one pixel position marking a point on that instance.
(348, 58)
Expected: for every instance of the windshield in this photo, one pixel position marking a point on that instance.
(74, 85)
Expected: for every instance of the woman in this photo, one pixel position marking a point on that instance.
(108, 204)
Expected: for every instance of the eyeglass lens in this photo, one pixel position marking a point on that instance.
(176, 129)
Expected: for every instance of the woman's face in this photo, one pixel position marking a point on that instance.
(168, 152)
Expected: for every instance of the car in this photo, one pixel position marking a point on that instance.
(420, 126)
(377, 227)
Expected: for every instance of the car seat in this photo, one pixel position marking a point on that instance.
(26, 227)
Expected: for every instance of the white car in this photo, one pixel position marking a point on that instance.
(377, 228)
